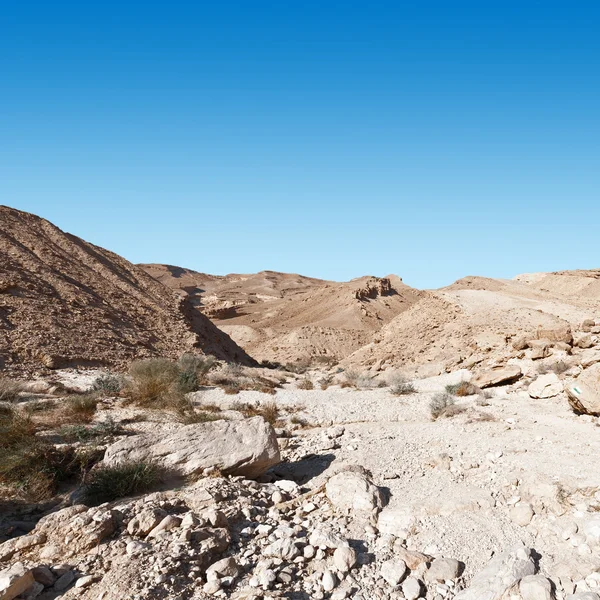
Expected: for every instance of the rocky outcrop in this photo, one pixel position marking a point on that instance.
(584, 392)
(246, 447)
(497, 376)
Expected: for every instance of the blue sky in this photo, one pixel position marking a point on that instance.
(335, 139)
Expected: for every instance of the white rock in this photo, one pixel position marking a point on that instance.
(353, 492)
(535, 587)
(344, 559)
(245, 447)
(395, 521)
(501, 573)
(411, 588)
(545, 386)
(393, 571)
(442, 569)
(329, 581)
(521, 514)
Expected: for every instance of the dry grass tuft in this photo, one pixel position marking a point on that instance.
(462, 389)
(10, 389)
(401, 386)
(305, 384)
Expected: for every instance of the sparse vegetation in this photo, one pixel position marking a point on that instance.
(401, 386)
(464, 388)
(559, 367)
(105, 484)
(155, 383)
(30, 466)
(81, 433)
(440, 405)
(305, 384)
(81, 407)
(9, 389)
(193, 370)
(269, 411)
(108, 383)
(357, 380)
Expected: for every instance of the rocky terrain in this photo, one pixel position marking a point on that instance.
(65, 302)
(395, 444)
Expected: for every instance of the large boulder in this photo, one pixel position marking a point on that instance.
(545, 386)
(497, 376)
(501, 574)
(584, 392)
(246, 447)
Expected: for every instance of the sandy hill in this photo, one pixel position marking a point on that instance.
(65, 302)
(285, 317)
(475, 320)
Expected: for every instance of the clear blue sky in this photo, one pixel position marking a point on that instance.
(335, 139)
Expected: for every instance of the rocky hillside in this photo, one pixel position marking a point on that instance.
(65, 302)
(286, 317)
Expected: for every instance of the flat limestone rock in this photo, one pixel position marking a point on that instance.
(584, 392)
(545, 386)
(246, 447)
(497, 376)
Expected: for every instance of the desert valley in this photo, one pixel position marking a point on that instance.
(166, 433)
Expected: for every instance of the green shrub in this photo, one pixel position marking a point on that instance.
(105, 484)
(108, 383)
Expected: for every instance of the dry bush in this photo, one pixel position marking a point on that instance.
(269, 411)
(325, 382)
(439, 404)
(400, 385)
(357, 380)
(154, 383)
(464, 388)
(559, 367)
(200, 416)
(305, 384)
(10, 389)
(105, 484)
(30, 466)
(80, 408)
(300, 366)
(82, 433)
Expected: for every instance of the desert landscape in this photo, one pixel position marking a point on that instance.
(171, 434)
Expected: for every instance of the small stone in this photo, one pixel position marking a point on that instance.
(226, 567)
(411, 588)
(84, 581)
(64, 581)
(442, 569)
(344, 559)
(535, 587)
(212, 587)
(393, 571)
(329, 581)
(521, 514)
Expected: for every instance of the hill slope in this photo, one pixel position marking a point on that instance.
(65, 302)
(286, 317)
